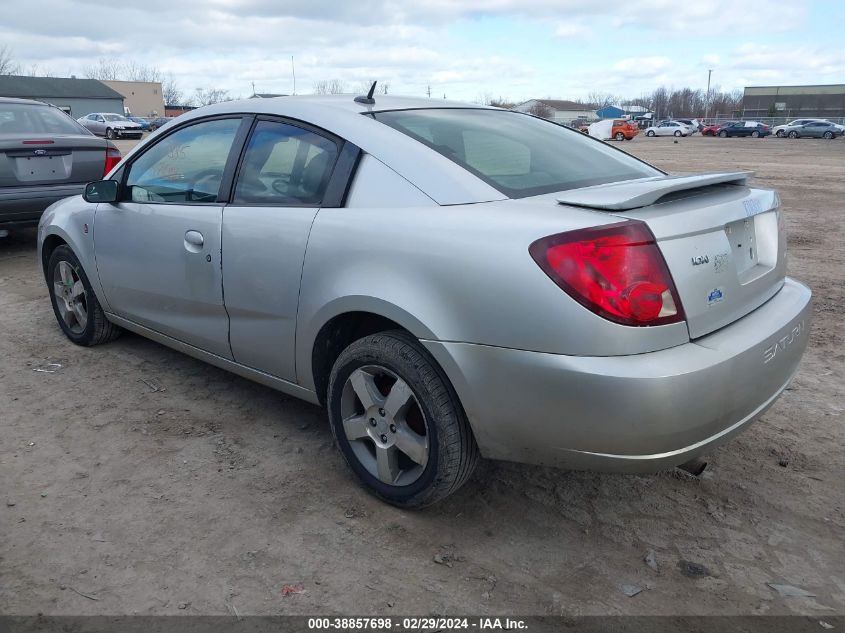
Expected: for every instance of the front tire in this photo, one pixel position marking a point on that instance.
(76, 307)
(109, 133)
(780, 134)
(398, 422)
(650, 133)
(723, 134)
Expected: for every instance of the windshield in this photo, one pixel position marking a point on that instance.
(519, 155)
(114, 117)
(21, 118)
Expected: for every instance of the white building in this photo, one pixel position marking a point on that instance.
(557, 110)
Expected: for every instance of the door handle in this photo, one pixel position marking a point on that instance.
(194, 241)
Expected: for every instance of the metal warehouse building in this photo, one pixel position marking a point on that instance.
(826, 102)
(77, 97)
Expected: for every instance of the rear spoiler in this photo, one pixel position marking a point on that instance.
(632, 194)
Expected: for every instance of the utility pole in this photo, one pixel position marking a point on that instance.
(707, 103)
(253, 88)
(293, 73)
(429, 91)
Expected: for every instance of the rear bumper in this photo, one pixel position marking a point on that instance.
(638, 413)
(24, 205)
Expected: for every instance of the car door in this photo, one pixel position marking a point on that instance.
(158, 248)
(98, 124)
(287, 172)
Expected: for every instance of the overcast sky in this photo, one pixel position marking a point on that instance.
(462, 48)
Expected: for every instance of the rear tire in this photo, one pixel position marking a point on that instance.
(793, 134)
(678, 133)
(620, 136)
(76, 307)
(755, 134)
(370, 430)
(828, 135)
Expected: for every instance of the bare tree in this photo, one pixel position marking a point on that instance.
(8, 65)
(133, 71)
(599, 100)
(331, 87)
(170, 91)
(207, 96)
(541, 110)
(104, 70)
(35, 71)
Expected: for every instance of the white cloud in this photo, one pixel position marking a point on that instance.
(573, 31)
(643, 66)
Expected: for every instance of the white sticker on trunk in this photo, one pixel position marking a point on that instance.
(715, 296)
(752, 207)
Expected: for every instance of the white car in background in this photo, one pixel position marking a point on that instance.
(668, 128)
(784, 130)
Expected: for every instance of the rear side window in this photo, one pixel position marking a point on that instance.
(19, 118)
(285, 165)
(515, 153)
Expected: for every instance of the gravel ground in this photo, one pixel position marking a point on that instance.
(135, 480)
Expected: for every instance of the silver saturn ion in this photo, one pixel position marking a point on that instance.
(450, 281)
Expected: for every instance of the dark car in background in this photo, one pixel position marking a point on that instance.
(159, 121)
(816, 129)
(145, 125)
(44, 156)
(711, 129)
(744, 128)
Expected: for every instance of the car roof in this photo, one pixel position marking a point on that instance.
(442, 179)
(22, 101)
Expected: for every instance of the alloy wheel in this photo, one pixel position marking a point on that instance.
(71, 298)
(385, 425)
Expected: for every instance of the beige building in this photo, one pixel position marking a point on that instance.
(141, 98)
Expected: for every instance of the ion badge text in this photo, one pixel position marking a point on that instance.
(699, 260)
(770, 352)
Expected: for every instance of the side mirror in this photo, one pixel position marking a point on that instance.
(101, 191)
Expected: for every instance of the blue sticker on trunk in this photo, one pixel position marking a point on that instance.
(715, 296)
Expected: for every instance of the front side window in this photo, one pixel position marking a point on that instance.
(185, 167)
(517, 154)
(285, 165)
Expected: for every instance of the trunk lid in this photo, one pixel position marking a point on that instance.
(723, 241)
(38, 159)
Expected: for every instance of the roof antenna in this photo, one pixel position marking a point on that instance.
(368, 100)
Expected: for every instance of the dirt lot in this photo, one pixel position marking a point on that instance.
(212, 493)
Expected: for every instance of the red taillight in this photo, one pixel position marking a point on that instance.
(112, 158)
(617, 271)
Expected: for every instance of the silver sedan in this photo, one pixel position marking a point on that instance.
(111, 125)
(450, 281)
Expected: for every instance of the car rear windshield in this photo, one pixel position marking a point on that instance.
(519, 155)
(21, 118)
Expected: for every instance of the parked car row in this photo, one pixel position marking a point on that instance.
(800, 128)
